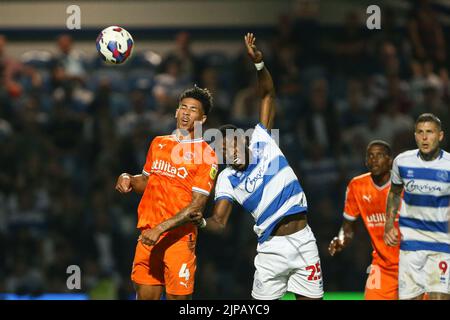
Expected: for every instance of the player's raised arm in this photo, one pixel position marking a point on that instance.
(198, 203)
(266, 88)
(392, 208)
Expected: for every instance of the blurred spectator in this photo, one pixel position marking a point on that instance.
(70, 59)
(183, 54)
(350, 46)
(11, 70)
(169, 85)
(426, 34)
(320, 126)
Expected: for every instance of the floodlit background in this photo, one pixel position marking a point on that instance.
(69, 125)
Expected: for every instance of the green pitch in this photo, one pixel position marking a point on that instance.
(333, 296)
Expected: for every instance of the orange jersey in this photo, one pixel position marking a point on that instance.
(364, 198)
(175, 169)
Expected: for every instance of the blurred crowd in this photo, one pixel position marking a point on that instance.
(69, 125)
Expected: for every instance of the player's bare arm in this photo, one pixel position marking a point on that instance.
(219, 219)
(198, 203)
(127, 183)
(393, 205)
(344, 237)
(265, 84)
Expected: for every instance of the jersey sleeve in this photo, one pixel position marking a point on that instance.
(148, 160)
(395, 173)
(261, 134)
(351, 210)
(205, 176)
(224, 189)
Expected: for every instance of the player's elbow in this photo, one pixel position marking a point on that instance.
(216, 225)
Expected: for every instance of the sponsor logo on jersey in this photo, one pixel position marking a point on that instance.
(165, 168)
(413, 185)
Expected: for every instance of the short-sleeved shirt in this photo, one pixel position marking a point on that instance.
(367, 200)
(268, 188)
(176, 169)
(425, 206)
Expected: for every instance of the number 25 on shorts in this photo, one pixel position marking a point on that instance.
(316, 273)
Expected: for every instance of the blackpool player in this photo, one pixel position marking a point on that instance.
(177, 177)
(424, 175)
(366, 197)
(260, 179)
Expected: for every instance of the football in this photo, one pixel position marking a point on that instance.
(114, 44)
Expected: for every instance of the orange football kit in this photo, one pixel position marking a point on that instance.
(175, 169)
(364, 198)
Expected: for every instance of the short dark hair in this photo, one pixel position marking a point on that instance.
(201, 94)
(382, 143)
(429, 117)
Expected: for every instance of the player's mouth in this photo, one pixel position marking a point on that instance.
(185, 121)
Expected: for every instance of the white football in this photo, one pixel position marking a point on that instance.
(114, 44)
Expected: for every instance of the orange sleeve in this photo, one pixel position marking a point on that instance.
(351, 210)
(205, 176)
(148, 161)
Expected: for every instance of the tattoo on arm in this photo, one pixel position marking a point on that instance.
(182, 217)
(393, 202)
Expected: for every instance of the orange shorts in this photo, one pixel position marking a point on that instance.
(382, 284)
(170, 263)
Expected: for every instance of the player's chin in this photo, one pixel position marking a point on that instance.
(188, 127)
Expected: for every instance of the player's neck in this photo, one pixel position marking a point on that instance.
(183, 135)
(381, 180)
(430, 156)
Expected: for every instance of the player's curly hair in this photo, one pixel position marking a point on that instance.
(201, 94)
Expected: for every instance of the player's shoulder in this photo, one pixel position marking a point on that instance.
(407, 155)
(445, 156)
(159, 139)
(361, 179)
(224, 174)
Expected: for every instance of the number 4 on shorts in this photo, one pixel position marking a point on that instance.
(184, 272)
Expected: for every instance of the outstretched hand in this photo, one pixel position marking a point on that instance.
(253, 52)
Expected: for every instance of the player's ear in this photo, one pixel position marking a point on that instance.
(204, 117)
(441, 136)
(176, 112)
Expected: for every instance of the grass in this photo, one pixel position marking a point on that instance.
(333, 296)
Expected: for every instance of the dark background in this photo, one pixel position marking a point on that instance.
(69, 125)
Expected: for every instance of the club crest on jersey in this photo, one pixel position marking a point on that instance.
(442, 175)
(410, 173)
(188, 156)
(213, 171)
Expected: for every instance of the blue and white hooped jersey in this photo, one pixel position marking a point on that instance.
(268, 188)
(425, 206)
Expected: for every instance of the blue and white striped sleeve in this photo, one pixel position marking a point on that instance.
(395, 173)
(224, 189)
